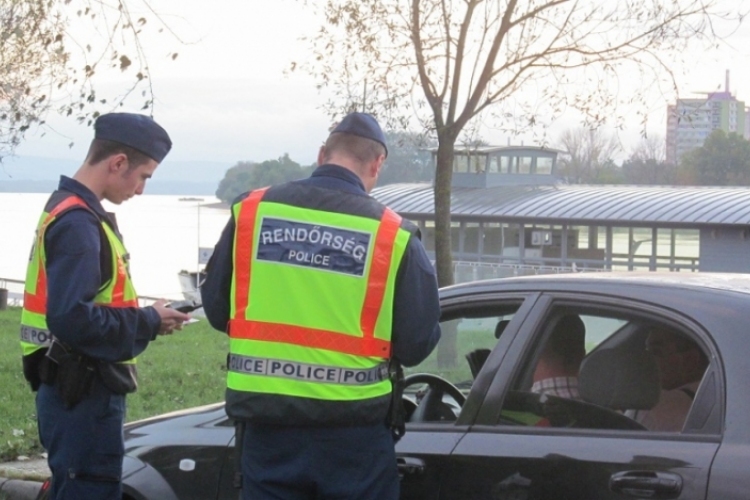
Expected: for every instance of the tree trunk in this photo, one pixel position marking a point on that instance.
(443, 177)
(447, 349)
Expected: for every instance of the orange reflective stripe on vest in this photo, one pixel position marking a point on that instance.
(118, 293)
(310, 337)
(367, 345)
(381, 261)
(244, 250)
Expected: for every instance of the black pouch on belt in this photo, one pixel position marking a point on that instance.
(75, 374)
(120, 378)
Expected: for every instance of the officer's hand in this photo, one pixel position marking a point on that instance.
(171, 319)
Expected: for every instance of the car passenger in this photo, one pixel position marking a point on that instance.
(681, 366)
(556, 371)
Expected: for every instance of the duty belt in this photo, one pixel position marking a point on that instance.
(307, 372)
(35, 336)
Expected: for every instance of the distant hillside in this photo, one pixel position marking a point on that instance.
(27, 186)
(31, 168)
(30, 174)
(152, 187)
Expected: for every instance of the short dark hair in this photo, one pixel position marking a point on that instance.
(101, 149)
(361, 149)
(568, 339)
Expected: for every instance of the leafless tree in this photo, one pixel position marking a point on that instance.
(588, 151)
(52, 50)
(445, 62)
(651, 147)
(647, 163)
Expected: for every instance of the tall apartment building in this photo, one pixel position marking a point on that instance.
(690, 121)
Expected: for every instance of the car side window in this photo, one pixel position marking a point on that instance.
(466, 342)
(606, 371)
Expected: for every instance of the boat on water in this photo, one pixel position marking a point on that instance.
(191, 281)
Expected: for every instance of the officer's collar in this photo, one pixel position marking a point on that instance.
(73, 186)
(338, 172)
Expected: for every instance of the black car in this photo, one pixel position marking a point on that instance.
(477, 430)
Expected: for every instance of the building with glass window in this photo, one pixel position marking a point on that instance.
(690, 121)
(511, 214)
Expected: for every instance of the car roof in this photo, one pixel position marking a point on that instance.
(730, 282)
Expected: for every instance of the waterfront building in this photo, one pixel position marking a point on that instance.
(512, 214)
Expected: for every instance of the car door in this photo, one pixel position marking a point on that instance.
(528, 446)
(471, 324)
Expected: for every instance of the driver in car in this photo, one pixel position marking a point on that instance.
(556, 371)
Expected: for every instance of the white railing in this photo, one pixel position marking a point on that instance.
(15, 293)
(464, 271)
(14, 290)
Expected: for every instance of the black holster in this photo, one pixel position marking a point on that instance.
(37, 369)
(75, 373)
(396, 411)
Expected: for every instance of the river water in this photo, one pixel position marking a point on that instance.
(162, 233)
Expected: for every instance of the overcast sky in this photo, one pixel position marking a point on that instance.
(225, 98)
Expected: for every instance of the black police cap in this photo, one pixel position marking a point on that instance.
(363, 125)
(136, 131)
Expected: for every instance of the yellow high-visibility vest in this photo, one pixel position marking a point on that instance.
(117, 292)
(311, 307)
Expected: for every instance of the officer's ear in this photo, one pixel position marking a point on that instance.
(376, 166)
(322, 155)
(118, 163)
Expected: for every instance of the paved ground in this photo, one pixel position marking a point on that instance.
(21, 480)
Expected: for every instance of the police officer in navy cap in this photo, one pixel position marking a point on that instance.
(81, 325)
(323, 292)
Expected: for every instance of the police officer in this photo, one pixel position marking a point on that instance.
(319, 287)
(81, 323)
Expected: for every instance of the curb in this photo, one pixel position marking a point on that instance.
(18, 489)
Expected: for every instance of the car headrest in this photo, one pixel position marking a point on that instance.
(619, 379)
(500, 327)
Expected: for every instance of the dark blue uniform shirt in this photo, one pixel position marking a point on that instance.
(73, 246)
(416, 309)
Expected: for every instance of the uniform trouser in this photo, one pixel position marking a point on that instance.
(84, 444)
(293, 463)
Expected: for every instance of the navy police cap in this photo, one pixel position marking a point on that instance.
(136, 131)
(363, 125)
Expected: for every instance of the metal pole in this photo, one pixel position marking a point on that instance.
(198, 257)
(198, 262)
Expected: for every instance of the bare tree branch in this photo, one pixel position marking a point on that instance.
(446, 62)
(51, 52)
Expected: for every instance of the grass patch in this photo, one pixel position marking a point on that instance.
(175, 372)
